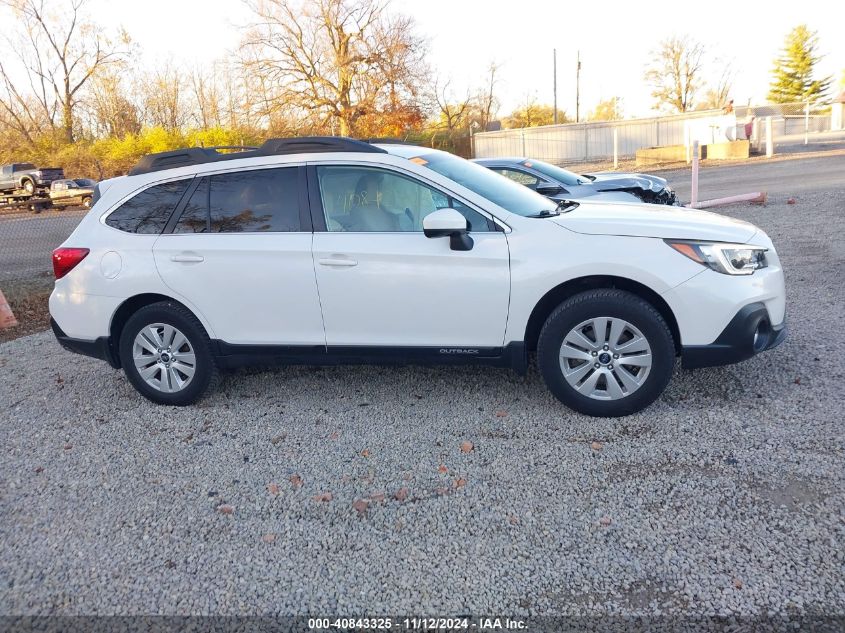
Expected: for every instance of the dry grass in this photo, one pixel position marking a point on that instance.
(28, 300)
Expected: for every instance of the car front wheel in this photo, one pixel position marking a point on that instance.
(606, 353)
(166, 354)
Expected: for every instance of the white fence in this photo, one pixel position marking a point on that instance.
(594, 141)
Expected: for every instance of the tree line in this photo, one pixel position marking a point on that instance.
(71, 96)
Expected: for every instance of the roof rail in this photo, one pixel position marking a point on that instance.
(272, 147)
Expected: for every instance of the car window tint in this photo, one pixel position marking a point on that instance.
(194, 218)
(259, 200)
(367, 200)
(148, 211)
(521, 177)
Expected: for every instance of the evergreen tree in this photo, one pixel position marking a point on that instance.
(792, 76)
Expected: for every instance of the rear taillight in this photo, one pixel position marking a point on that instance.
(65, 259)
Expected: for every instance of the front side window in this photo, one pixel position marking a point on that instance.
(262, 200)
(368, 200)
(148, 211)
(563, 176)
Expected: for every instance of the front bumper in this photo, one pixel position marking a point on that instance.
(748, 333)
(99, 348)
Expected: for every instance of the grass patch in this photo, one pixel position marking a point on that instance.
(28, 299)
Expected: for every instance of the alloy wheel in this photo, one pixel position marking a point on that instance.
(164, 357)
(605, 358)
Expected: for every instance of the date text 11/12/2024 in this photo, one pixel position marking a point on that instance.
(418, 624)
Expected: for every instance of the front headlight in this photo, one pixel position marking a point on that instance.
(730, 259)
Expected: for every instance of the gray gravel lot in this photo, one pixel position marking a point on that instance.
(726, 496)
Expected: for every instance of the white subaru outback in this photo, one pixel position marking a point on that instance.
(329, 250)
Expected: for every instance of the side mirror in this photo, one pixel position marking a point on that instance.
(548, 189)
(448, 223)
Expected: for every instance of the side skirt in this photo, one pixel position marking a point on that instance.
(229, 355)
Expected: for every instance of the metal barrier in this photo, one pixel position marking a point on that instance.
(604, 140)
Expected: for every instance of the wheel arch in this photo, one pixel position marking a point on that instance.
(129, 307)
(567, 289)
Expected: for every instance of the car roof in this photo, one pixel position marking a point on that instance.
(191, 156)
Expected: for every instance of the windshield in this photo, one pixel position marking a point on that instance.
(496, 188)
(84, 182)
(563, 176)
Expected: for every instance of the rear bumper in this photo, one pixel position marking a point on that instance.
(748, 333)
(99, 348)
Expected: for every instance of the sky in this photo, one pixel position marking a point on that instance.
(614, 39)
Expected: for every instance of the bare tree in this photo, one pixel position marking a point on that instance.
(674, 73)
(487, 103)
(340, 60)
(24, 113)
(718, 93)
(207, 97)
(111, 111)
(165, 103)
(60, 53)
(452, 112)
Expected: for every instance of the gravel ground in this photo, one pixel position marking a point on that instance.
(346, 490)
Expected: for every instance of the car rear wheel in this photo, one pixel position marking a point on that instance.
(86, 202)
(606, 353)
(166, 354)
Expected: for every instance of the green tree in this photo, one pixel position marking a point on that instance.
(792, 76)
(607, 110)
(533, 114)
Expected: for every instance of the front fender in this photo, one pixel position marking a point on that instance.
(541, 263)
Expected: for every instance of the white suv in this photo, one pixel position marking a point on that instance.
(327, 250)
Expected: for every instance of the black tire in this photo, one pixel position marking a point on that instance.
(610, 303)
(86, 202)
(28, 186)
(206, 374)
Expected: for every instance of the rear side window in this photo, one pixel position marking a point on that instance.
(194, 218)
(148, 211)
(263, 200)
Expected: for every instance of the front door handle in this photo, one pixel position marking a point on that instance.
(337, 261)
(187, 258)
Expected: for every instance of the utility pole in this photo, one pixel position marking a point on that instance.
(578, 87)
(554, 81)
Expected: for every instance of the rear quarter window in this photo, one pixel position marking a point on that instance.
(148, 211)
(250, 201)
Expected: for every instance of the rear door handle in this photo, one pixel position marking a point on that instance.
(337, 261)
(187, 257)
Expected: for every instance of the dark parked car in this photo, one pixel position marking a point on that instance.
(73, 192)
(27, 177)
(560, 184)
